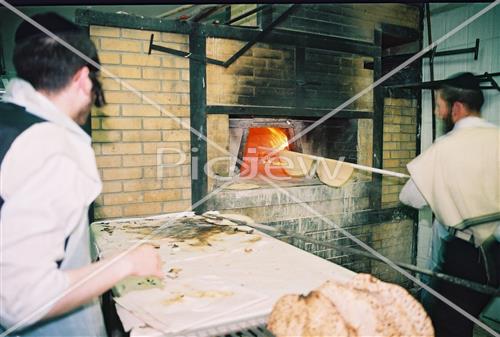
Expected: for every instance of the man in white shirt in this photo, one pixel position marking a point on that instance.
(48, 180)
(459, 178)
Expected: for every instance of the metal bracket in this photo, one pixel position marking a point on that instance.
(246, 14)
(233, 58)
(431, 54)
(486, 77)
(176, 52)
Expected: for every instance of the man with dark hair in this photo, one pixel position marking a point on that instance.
(459, 178)
(48, 180)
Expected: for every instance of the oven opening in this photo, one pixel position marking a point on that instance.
(261, 153)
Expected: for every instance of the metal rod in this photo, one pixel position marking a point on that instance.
(431, 67)
(176, 52)
(207, 12)
(474, 50)
(487, 77)
(174, 11)
(484, 289)
(244, 15)
(260, 35)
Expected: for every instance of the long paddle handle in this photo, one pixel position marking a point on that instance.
(360, 167)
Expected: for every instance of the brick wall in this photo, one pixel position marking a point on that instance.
(399, 144)
(128, 132)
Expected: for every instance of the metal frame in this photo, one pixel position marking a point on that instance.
(378, 125)
(246, 14)
(280, 36)
(486, 77)
(198, 32)
(198, 117)
(181, 53)
(239, 110)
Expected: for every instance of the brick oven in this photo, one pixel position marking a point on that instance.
(314, 60)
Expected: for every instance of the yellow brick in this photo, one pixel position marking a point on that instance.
(391, 163)
(122, 148)
(141, 60)
(107, 110)
(177, 206)
(143, 85)
(177, 182)
(106, 136)
(95, 123)
(111, 186)
(163, 172)
(174, 38)
(138, 34)
(121, 45)
(186, 193)
(169, 61)
(178, 110)
(121, 123)
(107, 212)
(122, 97)
(97, 148)
(123, 72)
(121, 173)
(391, 146)
(168, 147)
(175, 86)
(177, 46)
(168, 195)
(104, 31)
(160, 74)
(141, 136)
(110, 84)
(184, 75)
(400, 154)
(176, 135)
(185, 100)
(122, 198)
(109, 58)
(141, 185)
(162, 98)
(108, 161)
(161, 123)
(408, 146)
(142, 209)
(140, 110)
(139, 160)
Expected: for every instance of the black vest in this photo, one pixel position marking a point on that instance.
(14, 120)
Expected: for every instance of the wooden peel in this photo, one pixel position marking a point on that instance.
(331, 172)
(298, 165)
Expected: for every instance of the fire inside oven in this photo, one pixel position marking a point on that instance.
(261, 153)
(257, 143)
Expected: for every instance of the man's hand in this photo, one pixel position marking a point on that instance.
(144, 261)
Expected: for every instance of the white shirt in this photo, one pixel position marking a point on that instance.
(410, 195)
(48, 179)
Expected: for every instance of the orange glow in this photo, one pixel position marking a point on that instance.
(260, 143)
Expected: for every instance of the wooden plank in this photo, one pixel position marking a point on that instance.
(198, 101)
(272, 111)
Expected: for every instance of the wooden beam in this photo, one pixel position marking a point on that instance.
(198, 117)
(291, 112)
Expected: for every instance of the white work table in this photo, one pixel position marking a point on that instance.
(216, 280)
